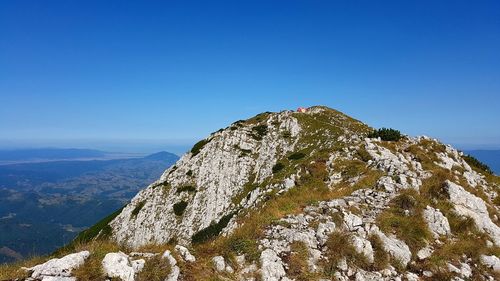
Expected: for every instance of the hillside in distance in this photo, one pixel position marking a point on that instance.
(44, 205)
(33, 155)
(308, 195)
(489, 157)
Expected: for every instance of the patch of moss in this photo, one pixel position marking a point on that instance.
(180, 207)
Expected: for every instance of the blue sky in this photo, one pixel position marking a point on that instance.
(89, 73)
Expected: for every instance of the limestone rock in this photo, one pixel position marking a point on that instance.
(395, 247)
(467, 204)
(119, 265)
(437, 222)
(185, 254)
(492, 262)
(175, 270)
(59, 267)
(272, 266)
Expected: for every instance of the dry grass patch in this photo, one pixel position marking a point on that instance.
(296, 260)
(92, 269)
(13, 271)
(404, 218)
(381, 259)
(339, 246)
(155, 269)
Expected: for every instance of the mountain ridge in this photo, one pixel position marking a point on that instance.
(306, 196)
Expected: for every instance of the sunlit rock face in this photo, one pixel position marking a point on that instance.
(376, 188)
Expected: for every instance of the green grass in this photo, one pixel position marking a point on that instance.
(339, 245)
(155, 269)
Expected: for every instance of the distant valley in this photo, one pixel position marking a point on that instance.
(44, 205)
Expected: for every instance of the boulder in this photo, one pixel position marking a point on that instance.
(185, 254)
(437, 222)
(119, 265)
(492, 262)
(469, 205)
(272, 268)
(59, 267)
(175, 271)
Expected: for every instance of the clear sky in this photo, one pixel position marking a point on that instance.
(80, 73)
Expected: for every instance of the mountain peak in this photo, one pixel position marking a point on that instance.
(315, 194)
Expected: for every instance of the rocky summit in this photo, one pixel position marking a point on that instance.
(309, 195)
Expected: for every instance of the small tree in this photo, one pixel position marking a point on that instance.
(386, 134)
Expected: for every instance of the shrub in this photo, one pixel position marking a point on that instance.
(212, 230)
(278, 167)
(189, 173)
(180, 207)
(386, 134)
(188, 188)
(259, 131)
(199, 146)
(475, 163)
(138, 208)
(296, 156)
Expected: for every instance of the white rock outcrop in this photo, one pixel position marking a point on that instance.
(437, 222)
(185, 254)
(469, 205)
(119, 265)
(492, 262)
(58, 268)
(229, 160)
(174, 268)
(272, 268)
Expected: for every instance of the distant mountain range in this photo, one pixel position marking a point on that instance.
(58, 154)
(44, 205)
(489, 157)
